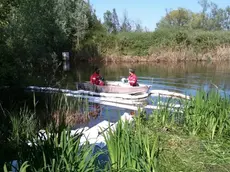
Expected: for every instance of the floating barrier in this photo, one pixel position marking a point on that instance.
(168, 94)
(93, 135)
(126, 101)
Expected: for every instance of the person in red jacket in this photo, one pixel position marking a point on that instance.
(132, 79)
(96, 78)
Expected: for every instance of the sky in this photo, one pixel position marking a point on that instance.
(147, 12)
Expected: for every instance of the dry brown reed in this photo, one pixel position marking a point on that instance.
(220, 53)
(71, 118)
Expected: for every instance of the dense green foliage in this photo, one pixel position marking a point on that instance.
(148, 43)
(210, 18)
(194, 137)
(34, 34)
(179, 30)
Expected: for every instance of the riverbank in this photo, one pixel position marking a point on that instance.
(221, 53)
(165, 45)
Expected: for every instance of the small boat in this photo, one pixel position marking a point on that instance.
(114, 87)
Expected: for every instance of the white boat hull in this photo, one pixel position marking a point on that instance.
(114, 87)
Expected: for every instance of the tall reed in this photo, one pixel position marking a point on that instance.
(168, 115)
(24, 125)
(58, 153)
(131, 150)
(207, 114)
(66, 111)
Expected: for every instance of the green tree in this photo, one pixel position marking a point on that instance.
(215, 17)
(108, 21)
(205, 5)
(111, 21)
(226, 20)
(115, 21)
(126, 24)
(72, 19)
(37, 32)
(196, 21)
(176, 18)
(138, 27)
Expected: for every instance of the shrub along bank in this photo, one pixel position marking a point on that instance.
(166, 45)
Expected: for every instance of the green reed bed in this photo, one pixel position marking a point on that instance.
(130, 149)
(195, 137)
(19, 125)
(208, 114)
(67, 111)
(59, 152)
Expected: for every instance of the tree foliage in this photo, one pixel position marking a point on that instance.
(126, 24)
(111, 21)
(34, 33)
(211, 17)
(178, 18)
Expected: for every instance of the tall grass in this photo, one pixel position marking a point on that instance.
(205, 114)
(16, 128)
(196, 138)
(192, 138)
(58, 153)
(24, 125)
(208, 114)
(67, 112)
(130, 149)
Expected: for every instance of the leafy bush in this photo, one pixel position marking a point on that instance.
(140, 43)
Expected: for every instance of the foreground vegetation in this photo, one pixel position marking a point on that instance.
(192, 138)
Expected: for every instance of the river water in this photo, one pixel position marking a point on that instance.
(184, 78)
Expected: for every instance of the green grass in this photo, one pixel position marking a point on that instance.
(193, 138)
(208, 114)
(60, 152)
(198, 138)
(130, 149)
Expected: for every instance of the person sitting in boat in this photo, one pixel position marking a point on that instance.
(96, 78)
(132, 79)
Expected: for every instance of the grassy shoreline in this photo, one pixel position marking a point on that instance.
(165, 45)
(195, 140)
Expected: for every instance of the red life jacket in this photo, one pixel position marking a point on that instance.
(95, 78)
(132, 80)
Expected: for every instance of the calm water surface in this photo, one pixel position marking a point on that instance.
(184, 78)
(181, 77)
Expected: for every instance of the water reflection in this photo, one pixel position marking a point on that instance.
(99, 113)
(181, 77)
(66, 65)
